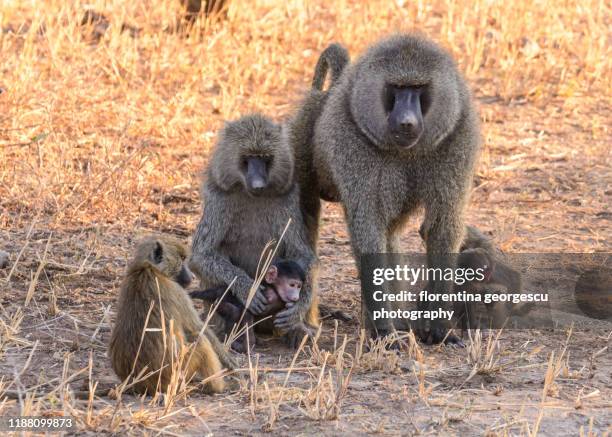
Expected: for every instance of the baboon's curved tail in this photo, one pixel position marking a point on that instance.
(335, 57)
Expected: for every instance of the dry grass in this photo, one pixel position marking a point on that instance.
(103, 140)
(114, 132)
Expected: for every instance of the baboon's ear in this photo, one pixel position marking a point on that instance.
(271, 274)
(157, 256)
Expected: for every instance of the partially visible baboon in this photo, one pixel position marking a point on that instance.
(282, 286)
(399, 132)
(249, 196)
(477, 251)
(4, 258)
(194, 8)
(475, 239)
(156, 276)
(99, 24)
(496, 277)
(301, 132)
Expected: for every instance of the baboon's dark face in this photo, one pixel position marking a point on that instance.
(476, 259)
(168, 256)
(405, 94)
(184, 276)
(403, 109)
(253, 156)
(256, 172)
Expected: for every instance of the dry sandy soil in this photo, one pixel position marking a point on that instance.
(101, 142)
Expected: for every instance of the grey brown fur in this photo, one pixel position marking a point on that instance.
(301, 132)
(150, 280)
(4, 259)
(363, 164)
(236, 224)
(478, 252)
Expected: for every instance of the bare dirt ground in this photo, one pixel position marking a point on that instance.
(101, 142)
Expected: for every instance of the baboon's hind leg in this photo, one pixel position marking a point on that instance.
(206, 363)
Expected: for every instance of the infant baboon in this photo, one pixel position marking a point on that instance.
(157, 275)
(281, 286)
(249, 196)
(399, 132)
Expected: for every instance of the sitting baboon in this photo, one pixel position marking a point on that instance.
(282, 286)
(156, 277)
(300, 133)
(399, 132)
(249, 196)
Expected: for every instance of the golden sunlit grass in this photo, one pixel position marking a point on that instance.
(109, 131)
(102, 138)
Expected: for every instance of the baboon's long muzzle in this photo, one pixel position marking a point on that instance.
(257, 174)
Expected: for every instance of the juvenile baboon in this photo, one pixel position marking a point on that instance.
(282, 286)
(249, 196)
(496, 277)
(399, 132)
(156, 276)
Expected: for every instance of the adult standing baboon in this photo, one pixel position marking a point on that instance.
(399, 132)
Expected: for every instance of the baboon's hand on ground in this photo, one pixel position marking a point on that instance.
(294, 336)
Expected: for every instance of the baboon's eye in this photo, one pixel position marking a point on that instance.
(425, 100)
(158, 253)
(389, 98)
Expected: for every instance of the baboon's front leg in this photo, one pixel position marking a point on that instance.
(368, 236)
(443, 230)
